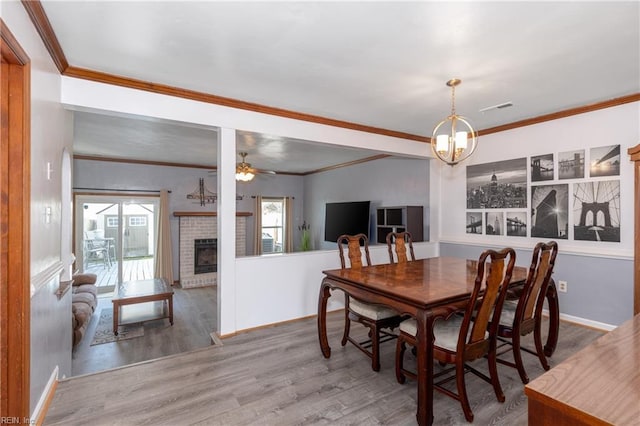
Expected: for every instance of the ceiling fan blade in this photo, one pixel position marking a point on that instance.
(265, 172)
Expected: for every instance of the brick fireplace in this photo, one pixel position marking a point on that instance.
(202, 227)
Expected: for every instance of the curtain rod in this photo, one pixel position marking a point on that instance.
(119, 190)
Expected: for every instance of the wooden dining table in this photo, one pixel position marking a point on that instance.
(425, 289)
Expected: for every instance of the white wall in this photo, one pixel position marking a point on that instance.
(50, 134)
(79, 94)
(599, 274)
(447, 200)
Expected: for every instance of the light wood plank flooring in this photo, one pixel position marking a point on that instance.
(132, 269)
(277, 376)
(194, 320)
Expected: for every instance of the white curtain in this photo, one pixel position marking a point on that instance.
(164, 256)
(288, 232)
(257, 239)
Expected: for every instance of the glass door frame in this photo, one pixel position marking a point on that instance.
(110, 198)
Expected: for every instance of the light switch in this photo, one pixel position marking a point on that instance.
(47, 215)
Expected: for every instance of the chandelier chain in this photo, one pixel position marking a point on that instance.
(453, 100)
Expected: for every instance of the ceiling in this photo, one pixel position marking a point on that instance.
(380, 64)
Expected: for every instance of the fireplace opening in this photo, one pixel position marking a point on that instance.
(206, 255)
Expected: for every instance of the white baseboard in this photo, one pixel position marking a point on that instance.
(45, 396)
(582, 321)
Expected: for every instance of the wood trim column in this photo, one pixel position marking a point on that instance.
(635, 157)
(15, 190)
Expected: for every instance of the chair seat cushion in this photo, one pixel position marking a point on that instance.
(446, 332)
(508, 313)
(374, 312)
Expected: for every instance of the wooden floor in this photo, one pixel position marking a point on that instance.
(132, 269)
(277, 376)
(194, 320)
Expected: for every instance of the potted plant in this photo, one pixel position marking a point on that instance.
(305, 238)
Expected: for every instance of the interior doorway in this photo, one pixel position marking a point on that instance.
(15, 210)
(115, 238)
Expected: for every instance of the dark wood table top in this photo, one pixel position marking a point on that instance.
(423, 282)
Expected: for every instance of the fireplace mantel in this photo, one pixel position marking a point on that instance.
(180, 214)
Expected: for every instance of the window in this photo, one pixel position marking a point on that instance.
(273, 225)
(112, 222)
(138, 221)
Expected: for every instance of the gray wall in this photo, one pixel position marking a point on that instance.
(610, 276)
(386, 183)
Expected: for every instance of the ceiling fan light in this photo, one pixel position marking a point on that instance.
(244, 176)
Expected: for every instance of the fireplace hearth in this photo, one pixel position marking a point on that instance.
(205, 255)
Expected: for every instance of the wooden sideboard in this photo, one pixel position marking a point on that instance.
(597, 386)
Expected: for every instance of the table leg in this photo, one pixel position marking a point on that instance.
(322, 318)
(116, 311)
(425, 339)
(170, 302)
(554, 319)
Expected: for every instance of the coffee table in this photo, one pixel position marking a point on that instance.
(142, 291)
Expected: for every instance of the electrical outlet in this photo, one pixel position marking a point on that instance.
(562, 286)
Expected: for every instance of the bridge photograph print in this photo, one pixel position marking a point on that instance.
(596, 211)
(474, 222)
(517, 224)
(605, 161)
(542, 168)
(571, 164)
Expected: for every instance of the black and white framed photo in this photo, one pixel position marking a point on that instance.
(474, 222)
(494, 223)
(542, 168)
(571, 164)
(517, 224)
(605, 161)
(596, 211)
(550, 211)
(501, 184)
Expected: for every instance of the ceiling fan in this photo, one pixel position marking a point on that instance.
(244, 171)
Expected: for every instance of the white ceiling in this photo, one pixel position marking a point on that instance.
(382, 64)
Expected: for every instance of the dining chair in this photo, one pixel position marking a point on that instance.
(460, 339)
(522, 316)
(397, 242)
(375, 317)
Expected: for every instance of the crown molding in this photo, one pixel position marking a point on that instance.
(43, 26)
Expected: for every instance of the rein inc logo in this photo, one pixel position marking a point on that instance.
(16, 421)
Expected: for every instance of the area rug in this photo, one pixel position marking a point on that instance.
(104, 329)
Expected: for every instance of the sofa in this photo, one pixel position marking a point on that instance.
(84, 299)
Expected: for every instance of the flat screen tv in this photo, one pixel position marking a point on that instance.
(346, 218)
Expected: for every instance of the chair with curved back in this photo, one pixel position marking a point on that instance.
(375, 317)
(522, 316)
(398, 242)
(462, 339)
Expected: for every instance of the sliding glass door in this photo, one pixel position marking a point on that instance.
(115, 238)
